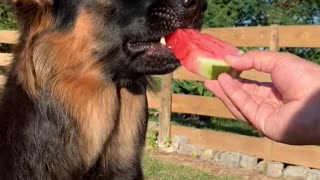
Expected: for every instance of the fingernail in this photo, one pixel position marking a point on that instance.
(233, 57)
(223, 75)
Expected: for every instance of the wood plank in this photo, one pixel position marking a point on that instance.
(256, 76)
(242, 36)
(274, 47)
(289, 36)
(221, 141)
(153, 100)
(8, 37)
(207, 106)
(2, 80)
(296, 155)
(165, 108)
(182, 74)
(299, 36)
(5, 59)
(274, 38)
(210, 106)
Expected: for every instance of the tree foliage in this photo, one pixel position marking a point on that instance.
(7, 19)
(235, 13)
(227, 13)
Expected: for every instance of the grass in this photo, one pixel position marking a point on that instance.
(158, 170)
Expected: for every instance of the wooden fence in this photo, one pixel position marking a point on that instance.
(273, 37)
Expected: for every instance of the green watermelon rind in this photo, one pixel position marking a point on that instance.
(211, 69)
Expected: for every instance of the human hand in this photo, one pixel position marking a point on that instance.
(286, 110)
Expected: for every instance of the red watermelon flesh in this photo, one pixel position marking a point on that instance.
(201, 54)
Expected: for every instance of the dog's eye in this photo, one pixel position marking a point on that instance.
(188, 3)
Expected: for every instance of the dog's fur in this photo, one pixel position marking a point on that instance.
(74, 105)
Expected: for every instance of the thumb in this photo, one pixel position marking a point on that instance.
(239, 63)
(264, 61)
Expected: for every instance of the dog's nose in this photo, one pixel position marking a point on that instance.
(179, 13)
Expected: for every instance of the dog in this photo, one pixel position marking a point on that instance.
(74, 104)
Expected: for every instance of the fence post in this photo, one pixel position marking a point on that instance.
(274, 47)
(165, 108)
(274, 38)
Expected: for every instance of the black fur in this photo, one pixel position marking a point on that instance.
(66, 12)
(36, 138)
(39, 140)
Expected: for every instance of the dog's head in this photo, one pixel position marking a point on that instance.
(124, 34)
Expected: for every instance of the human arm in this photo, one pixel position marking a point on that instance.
(286, 110)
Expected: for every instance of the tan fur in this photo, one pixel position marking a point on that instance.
(131, 123)
(40, 3)
(36, 20)
(63, 64)
(128, 130)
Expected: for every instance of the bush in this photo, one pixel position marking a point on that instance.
(7, 18)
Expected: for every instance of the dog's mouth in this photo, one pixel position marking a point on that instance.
(153, 47)
(152, 56)
(164, 20)
(149, 48)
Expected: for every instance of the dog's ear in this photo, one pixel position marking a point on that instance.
(23, 7)
(39, 3)
(36, 14)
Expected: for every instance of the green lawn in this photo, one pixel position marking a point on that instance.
(157, 170)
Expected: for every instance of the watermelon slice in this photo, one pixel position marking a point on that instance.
(202, 54)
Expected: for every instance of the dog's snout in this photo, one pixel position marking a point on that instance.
(173, 14)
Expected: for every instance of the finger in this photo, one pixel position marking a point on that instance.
(264, 61)
(250, 87)
(215, 87)
(263, 90)
(240, 98)
(255, 88)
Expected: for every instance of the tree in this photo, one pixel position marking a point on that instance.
(7, 19)
(229, 13)
(226, 13)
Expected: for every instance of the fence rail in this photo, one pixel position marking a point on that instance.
(273, 37)
(289, 36)
(298, 155)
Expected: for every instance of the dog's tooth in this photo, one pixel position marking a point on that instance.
(163, 41)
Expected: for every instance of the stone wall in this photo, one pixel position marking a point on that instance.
(181, 145)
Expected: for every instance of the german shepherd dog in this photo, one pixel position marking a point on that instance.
(74, 105)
